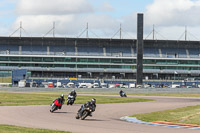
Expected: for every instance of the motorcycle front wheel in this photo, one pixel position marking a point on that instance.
(53, 108)
(77, 116)
(84, 115)
(72, 102)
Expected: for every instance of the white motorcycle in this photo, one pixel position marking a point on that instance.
(70, 100)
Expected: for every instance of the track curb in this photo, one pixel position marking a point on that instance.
(160, 123)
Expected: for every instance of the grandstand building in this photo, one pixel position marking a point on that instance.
(99, 58)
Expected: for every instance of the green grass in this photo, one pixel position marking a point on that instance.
(17, 129)
(11, 98)
(186, 115)
(114, 93)
(103, 100)
(154, 94)
(168, 94)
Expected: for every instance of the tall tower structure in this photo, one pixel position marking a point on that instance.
(139, 75)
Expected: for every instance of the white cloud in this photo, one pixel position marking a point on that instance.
(130, 22)
(66, 24)
(70, 17)
(4, 29)
(106, 7)
(41, 24)
(169, 16)
(53, 7)
(173, 12)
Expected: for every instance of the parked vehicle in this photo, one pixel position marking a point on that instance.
(132, 85)
(189, 86)
(41, 85)
(70, 85)
(85, 85)
(124, 86)
(175, 86)
(22, 83)
(81, 85)
(96, 85)
(117, 86)
(58, 84)
(147, 85)
(104, 85)
(111, 85)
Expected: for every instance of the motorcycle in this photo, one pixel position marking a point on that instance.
(86, 112)
(123, 94)
(70, 100)
(55, 105)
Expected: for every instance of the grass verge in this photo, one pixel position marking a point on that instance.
(151, 94)
(114, 93)
(186, 115)
(12, 98)
(17, 129)
(168, 94)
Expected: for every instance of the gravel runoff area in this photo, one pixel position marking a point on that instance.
(106, 118)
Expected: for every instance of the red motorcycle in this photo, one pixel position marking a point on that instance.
(55, 105)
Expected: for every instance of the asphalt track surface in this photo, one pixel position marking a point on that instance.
(106, 118)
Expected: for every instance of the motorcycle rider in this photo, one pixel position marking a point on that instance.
(61, 100)
(121, 92)
(71, 97)
(73, 93)
(91, 104)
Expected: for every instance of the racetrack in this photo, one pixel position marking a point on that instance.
(106, 118)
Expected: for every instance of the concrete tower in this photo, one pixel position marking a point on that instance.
(139, 76)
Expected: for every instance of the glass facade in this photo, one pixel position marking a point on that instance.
(78, 62)
(99, 57)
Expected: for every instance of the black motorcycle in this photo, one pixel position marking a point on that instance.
(123, 94)
(70, 100)
(86, 112)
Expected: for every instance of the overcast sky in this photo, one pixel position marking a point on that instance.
(170, 17)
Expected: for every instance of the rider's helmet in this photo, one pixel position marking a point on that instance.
(73, 92)
(62, 95)
(93, 101)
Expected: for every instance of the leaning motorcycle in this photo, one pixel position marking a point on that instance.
(123, 94)
(55, 105)
(86, 111)
(70, 100)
